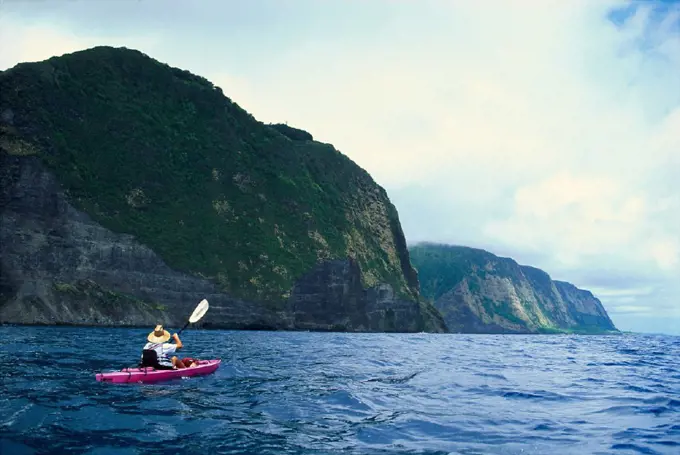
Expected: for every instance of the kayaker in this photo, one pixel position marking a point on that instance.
(155, 353)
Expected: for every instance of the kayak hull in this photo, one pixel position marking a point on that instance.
(150, 374)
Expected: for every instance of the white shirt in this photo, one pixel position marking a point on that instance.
(163, 350)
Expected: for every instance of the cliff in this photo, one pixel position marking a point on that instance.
(130, 190)
(478, 292)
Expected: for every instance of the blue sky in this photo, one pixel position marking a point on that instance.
(547, 131)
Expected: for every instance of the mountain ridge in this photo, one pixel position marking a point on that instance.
(131, 171)
(479, 292)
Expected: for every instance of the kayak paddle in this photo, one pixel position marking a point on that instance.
(198, 313)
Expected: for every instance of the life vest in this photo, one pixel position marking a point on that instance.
(150, 358)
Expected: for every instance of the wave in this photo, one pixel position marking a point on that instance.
(310, 393)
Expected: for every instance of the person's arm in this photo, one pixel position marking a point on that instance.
(178, 341)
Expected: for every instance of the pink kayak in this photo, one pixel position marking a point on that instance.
(150, 374)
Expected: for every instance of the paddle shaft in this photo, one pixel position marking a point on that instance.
(185, 326)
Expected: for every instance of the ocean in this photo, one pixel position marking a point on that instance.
(340, 393)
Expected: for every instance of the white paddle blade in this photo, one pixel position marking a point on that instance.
(200, 310)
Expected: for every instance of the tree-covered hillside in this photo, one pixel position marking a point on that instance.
(164, 155)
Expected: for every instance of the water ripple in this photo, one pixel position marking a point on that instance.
(316, 393)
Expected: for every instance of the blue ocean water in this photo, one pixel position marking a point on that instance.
(328, 393)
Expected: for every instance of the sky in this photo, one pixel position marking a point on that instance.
(543, 130)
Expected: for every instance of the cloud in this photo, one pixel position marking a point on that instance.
(632, 309)
(627, 300)
(665, 252)
(552, 132)
(548, 131)
(623, 293)
(580, 217)
(32, 41)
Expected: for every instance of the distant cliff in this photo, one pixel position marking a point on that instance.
(130, 190)
(478, 292)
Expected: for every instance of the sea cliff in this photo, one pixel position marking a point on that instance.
(479, 292)
(130, 190)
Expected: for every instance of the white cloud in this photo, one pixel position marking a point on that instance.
(537, 126)
(632, 309)
(581, 217)
(626, 300)
(623, 293)
(29, 42)
(665, 252)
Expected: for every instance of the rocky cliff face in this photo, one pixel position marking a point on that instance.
(58, 266)
(130, 190)
(478, 292)
(331, 298)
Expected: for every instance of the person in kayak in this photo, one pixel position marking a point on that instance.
(155, 353)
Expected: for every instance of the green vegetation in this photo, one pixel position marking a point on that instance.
(577, 331)
(12, 144)
(294, 134)
(162, 154)
(499, 293)
(66, 288)
(442, 267)
(502, 309)
(89, 289)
